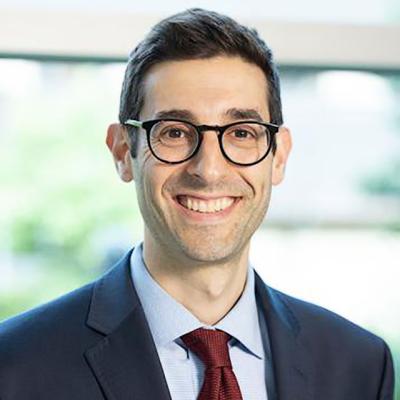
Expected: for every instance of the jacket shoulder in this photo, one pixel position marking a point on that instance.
(311, 319)
(332, 338)
(35, 331)
(339, 348)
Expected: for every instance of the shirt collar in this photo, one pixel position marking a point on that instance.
(241, 322)
(168, 319)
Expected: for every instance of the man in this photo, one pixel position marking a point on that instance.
(184, 315)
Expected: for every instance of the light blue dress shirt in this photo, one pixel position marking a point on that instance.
(169, 320)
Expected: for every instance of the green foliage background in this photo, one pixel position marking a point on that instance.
(62, 204)
(61, 198)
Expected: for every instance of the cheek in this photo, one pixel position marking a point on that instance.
(145, 155)
(153, 178)
(144, 177)
(259, 179)
(263, 195)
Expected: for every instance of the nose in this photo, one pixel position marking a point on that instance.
(209, 164)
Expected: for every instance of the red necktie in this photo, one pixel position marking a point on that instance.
(211, 346)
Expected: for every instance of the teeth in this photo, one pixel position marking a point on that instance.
(206, 206)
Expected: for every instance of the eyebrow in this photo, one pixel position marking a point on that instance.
(244, 113)
(233, 113)
(179, 114)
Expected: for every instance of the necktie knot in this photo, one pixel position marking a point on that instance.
(211, 346)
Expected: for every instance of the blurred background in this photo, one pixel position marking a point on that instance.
(332, 234)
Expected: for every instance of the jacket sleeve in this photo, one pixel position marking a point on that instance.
(386, 391)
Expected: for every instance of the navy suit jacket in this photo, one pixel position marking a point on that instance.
(95, 344)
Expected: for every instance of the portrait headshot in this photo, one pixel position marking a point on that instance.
(191, 306)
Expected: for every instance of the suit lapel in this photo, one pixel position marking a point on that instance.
(291, 362)
(126, 364)
(125, 361)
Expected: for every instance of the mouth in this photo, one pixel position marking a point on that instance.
(206, 206)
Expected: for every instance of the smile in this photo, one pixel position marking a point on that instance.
(205, 205)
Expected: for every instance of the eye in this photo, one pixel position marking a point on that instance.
(243, 134)
(175, 133)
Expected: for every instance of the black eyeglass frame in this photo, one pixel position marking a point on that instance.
(272, 129)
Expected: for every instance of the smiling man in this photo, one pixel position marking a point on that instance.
(201, 213)
(184, 315)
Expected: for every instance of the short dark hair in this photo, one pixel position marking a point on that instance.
(195, 34)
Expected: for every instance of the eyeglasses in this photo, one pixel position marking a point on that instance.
(175, 141)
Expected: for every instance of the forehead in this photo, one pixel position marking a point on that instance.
(206, 87)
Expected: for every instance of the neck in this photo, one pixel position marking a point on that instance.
(207, 289)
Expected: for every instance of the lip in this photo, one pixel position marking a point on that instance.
(205, 197)
(214, 217)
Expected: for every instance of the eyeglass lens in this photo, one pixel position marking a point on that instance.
(243, 143)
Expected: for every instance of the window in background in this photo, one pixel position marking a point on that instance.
(332, 232)
(342, 11)
(64, 211)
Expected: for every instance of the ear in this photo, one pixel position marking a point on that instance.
(117, 141)
(283, 148)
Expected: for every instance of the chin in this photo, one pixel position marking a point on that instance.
(209, 252)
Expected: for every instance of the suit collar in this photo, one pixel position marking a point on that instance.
(241, 321)
(113, 299)
(292, 363)
(125, 361)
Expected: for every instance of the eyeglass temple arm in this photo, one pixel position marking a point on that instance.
(133, 122)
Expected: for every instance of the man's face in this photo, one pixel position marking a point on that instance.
(211, 91)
